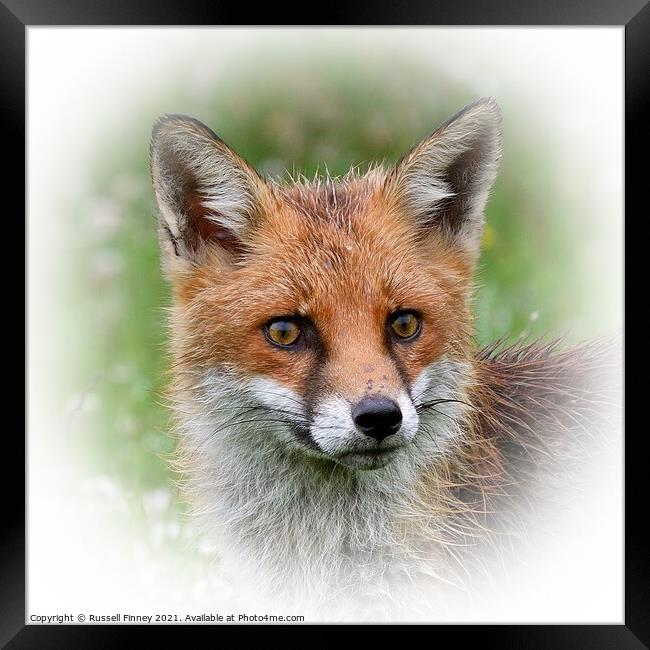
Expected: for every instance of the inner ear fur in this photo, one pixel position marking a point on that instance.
(443, 182)
(206, 193)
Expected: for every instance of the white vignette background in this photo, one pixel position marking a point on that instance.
(571, 80)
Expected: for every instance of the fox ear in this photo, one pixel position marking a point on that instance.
(444, 181)
(206, 193)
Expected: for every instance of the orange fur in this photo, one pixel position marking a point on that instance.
(347, 266)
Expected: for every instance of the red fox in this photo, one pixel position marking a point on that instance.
(340, 434)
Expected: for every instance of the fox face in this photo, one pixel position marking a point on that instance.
(318, 318)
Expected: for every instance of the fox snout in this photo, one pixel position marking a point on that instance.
(377, 417)
(365, 433)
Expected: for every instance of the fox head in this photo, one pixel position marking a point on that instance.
(323, 315)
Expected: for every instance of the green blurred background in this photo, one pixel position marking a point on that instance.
(327, 111)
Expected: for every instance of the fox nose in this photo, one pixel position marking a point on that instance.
(377, 417)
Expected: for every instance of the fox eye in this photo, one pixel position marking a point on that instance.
(282, 332)
(406, 325)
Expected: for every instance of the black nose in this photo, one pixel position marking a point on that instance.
(377, 417)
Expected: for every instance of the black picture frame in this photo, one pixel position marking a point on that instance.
(18, 15)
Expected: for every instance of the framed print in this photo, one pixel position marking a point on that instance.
(326, 324)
